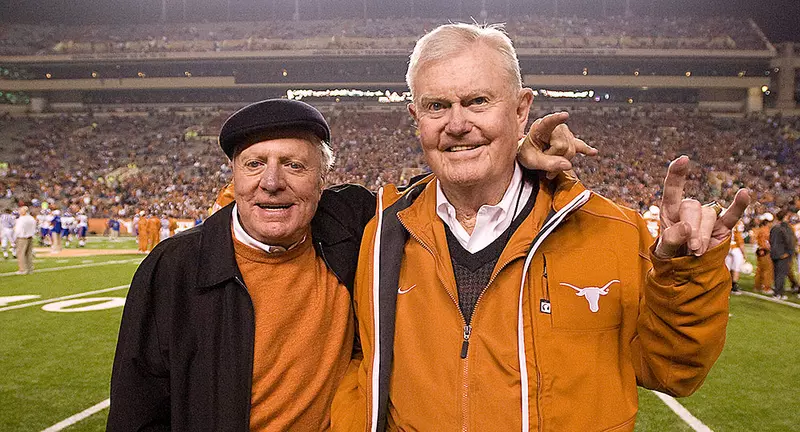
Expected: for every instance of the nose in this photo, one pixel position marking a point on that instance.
(458, 124)
(273, 178)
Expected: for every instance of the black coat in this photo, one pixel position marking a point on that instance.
(781, 240)
(184, 355)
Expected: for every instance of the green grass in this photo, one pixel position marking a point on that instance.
(58, 364)
(654, 416)
(98, 242)
(44, 261)
(754, 384)
(106, 243)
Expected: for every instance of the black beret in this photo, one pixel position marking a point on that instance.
(255, 121)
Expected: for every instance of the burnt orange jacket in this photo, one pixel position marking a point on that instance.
(762, 236)
(576, 298)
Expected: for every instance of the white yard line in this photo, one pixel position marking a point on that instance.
(69, 421)
(771, 299)
(39, 302)
(78, 266)
(683, 413)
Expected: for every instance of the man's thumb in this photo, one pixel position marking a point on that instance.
(672, 240)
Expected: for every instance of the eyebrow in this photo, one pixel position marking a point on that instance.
(425, 99)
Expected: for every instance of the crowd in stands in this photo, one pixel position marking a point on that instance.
(532, 31)
(168, 161)
(113, 165)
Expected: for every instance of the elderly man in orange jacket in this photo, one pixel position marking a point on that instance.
(490, 297)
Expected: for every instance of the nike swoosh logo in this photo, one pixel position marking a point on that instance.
(402, 291)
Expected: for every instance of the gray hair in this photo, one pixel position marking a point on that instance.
(327, 156)
(449, 39)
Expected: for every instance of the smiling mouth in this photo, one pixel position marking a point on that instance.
(273, 206)
(461, 148)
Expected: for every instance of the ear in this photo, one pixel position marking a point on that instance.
(412, 110)
(524, 102)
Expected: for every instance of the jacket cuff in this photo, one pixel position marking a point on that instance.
(679, 270)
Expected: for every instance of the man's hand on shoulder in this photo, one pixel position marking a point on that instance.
(687, 227)
(550, 146)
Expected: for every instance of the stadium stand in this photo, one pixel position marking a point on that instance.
(168, 161)
(719, 33)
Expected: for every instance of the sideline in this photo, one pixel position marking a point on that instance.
(771, 299)
(69, 421)
(50, 269)
(72, 296)
(682, 412)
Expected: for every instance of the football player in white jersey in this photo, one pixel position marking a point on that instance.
(83, 227)
(7, 221)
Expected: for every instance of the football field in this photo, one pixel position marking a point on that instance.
(58, 330)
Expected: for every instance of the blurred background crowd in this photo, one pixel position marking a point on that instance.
(168, 161)
(528, 31)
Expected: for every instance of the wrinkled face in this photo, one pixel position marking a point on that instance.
(277, 184)
(469, 118)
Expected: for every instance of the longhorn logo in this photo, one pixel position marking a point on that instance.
(591, 294)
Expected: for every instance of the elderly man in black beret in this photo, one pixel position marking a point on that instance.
(245, 321)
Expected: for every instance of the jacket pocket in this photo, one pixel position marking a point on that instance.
(584, 289)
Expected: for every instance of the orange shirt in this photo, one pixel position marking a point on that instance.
(225, 197)
(303, 337)
(153, 225)
(762, 236)
(173, 225)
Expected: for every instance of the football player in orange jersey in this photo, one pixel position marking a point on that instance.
(153, 228)
(763, 278)
(735, 257)
(142, 233)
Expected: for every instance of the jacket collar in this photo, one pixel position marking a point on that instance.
(326, 228)
(216, 258)
(562, 189)
(553, 195)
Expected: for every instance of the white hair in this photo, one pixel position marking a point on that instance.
(327, 156)
(450, 39)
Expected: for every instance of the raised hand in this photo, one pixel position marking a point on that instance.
(550, 145)
(687, 227)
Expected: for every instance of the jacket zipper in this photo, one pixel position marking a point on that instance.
(466, 335)
(468, 330)
(546, 280)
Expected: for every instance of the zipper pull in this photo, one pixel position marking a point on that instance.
(465, 344)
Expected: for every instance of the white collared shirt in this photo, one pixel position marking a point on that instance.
(492, 220)
(241, 235)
